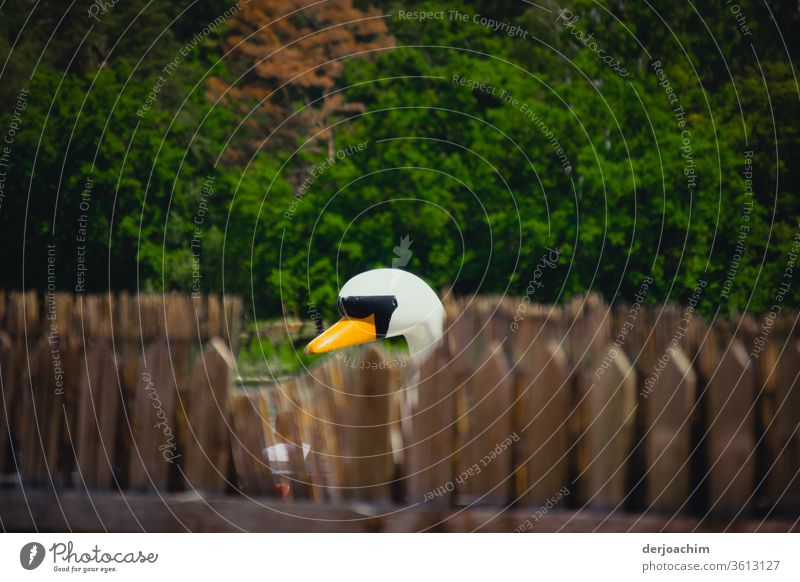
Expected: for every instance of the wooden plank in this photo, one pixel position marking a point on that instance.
(589, 321)
(98, 417)
(133, 512)
(460, 337)
(536, 335)
(666, 404)
(497, 317)
(22, 314)
(490, 520)
(9, 391)
(249, 443)
(608, 420)
(129, 349)
(485, 467)
(54, 371)
(731, 432)
(288, 440)
(318, 429)
(179, 318)
(154, 448)
(215, 318)
(465, 352)
(232, 323)
(783, 433)
(21, 321)
(71, 351)
(329, 385)
(208, 451)
(304, 423)
(149, 315)
(428, 417)
(42, 408)
(651, 333)
(370, 461)
(546, 402)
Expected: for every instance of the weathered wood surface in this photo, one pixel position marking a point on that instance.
(487, 443)
(366, 432)
(782, 431)
(545, 445)
(187, 512)
(44, 402)
(608, 410)
(731, 432)
(155, 438)
(717, 431)
(428, 427)
(249, 443)
(666, 418)
(208, 443)
(99, 416)
(9, 387)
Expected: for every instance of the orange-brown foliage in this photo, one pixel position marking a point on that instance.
(290, 54)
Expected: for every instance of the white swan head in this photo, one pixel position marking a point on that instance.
(385, 303)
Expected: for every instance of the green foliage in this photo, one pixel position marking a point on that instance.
(577, 157)
(278, 359)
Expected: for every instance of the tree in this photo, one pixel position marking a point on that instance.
(290, 56)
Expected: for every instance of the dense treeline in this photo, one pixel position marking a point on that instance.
(273, 151)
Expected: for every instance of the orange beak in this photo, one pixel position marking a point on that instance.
(348, 331)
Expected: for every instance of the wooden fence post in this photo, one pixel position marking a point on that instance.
(370, 462)
(666, 402)
(208, 444)
(783, 433)
(546, 402)
(488, 444)
(98, 417)
(609, 428)
(249, 443)
(329, 386)
(429, 417)
(155, 440)
(42, 419)
(286, 441)
(8, 390)
(731, 432)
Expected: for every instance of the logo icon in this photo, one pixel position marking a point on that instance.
(403, 253)
(31, 555)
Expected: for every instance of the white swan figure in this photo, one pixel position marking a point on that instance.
(385, 303)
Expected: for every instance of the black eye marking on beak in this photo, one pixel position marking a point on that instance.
(380, 306)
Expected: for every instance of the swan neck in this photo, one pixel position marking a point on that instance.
(421, 343)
